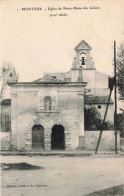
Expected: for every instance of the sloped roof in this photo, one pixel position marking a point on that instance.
(48, 79)
(6, 102)
(97, 99)
(83, 45)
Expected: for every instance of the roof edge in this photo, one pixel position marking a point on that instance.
(83, 41)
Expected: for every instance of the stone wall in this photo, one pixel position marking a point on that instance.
(107, 141)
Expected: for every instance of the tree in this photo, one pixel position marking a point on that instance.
(120, 85)
(8, 74)
(91, 118)
(120, 71)
(120, 124)
(93, 121)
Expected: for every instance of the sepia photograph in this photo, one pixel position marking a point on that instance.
(62, 98)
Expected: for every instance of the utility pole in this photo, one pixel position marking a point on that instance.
(115, 114)
(112, 82)
(100, 135)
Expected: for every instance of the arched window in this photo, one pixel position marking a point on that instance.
(47, 103)
(83, 59)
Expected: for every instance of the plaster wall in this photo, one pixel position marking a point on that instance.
(27, 103)
(122, 144)
(107, 141)
(101, 80)
(5, 140)
(99, 91)
(29, 108)
(89, 77)
(68, 108)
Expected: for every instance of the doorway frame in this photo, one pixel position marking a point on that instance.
(64, 139)
(40, 147)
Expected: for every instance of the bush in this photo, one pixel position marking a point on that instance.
(120, 124)
(93, 121)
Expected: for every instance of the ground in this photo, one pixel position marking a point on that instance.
(62, 175)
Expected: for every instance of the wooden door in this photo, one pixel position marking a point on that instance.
(38, 136)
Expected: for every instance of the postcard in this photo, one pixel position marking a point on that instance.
(62, 97)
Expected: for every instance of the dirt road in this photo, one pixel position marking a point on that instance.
(62, 176)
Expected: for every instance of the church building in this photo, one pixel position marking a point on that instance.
(48, 113)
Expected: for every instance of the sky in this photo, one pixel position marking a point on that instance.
(36, 42)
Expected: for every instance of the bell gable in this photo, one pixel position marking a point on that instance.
(83, 46)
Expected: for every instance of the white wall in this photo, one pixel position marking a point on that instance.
(107, 140)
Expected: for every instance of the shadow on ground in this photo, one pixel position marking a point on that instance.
(19, 166)
(113, 191)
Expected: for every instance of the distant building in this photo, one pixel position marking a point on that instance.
(48, 113)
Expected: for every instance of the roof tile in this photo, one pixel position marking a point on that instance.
(97, 99)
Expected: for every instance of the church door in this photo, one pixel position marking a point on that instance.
(58, 138)
(38, 137)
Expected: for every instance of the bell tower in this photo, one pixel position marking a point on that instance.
(83, 58)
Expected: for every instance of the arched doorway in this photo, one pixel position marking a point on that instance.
(58, 138)
(38, 136)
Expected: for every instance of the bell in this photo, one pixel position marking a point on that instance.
(82, 61)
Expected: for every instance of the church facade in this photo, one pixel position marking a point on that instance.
(48, 113)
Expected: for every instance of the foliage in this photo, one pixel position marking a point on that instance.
(93, 121)
(106, 126)
(91, 118)
(8, 74)
(120, 71)
(120, 124)
(112, 191)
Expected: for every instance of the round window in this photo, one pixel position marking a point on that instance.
(99, 106)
